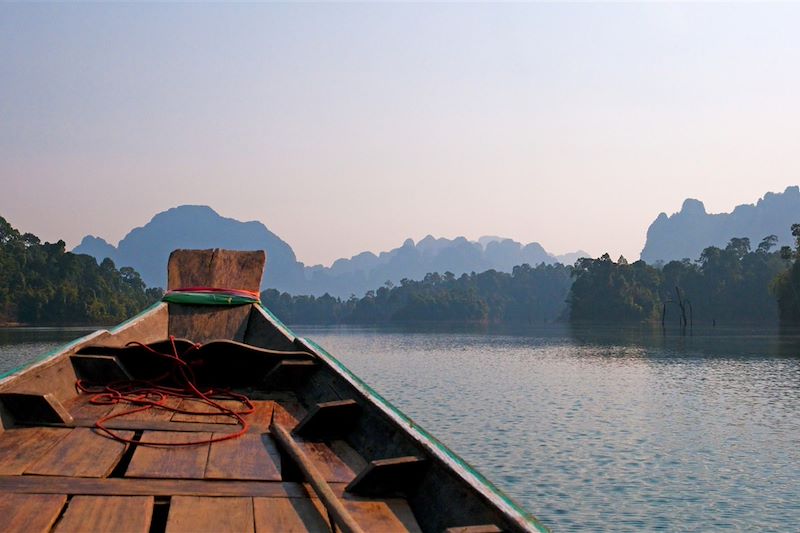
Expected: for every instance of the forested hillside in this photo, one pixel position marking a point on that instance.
(42, 283)
(731, 284)
(528, 294)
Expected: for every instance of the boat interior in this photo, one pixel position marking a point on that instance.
(217, 418)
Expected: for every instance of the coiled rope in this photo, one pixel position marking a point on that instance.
(153, 394)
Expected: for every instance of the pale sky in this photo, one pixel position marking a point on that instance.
(346, 128)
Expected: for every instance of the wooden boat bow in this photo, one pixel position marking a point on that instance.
(321, 450)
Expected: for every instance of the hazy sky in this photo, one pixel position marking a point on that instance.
(347, 128)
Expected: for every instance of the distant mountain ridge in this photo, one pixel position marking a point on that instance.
(147, 248)
(687, 233)
(367, 271)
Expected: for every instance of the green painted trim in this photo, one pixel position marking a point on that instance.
(374, 395)
(205, 298)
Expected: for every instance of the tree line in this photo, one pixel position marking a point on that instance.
(731, 284)
(42, 283)
(527, 294)
(724, 285)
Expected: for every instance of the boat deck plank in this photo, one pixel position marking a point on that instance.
(81, 407)
(199, 514)
(82, 453)
(177, 462)
(32, 513)
(377, 514)
(260, 419)
(206, 413)
(328, 462)
(249, 457)
(146, 415)
(21, 447)
(131, 514)
(394, 515)
(149, 487)
(158, 425)
(284, 515)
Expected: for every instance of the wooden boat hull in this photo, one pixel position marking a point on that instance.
(323, 447)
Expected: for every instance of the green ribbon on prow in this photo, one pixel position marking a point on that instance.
(205, 298)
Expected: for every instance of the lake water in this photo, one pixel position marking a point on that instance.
(591, 428)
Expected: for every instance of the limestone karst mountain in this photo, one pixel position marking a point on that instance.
(687, 233)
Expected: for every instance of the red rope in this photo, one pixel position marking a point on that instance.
(150, 395)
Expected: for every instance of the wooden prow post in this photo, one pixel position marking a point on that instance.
(221, 269)
(224, 269)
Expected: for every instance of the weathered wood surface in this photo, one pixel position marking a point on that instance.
(203, 323)
(394, 513)
(198, 514)
(149, 328)
(31, 513)
(176, 462)
(152, 414)
(389, 516)
(86, 414)
(261, 332)
(21, 447)
(260, 419)
(206, 413)
(288, 413)
(285, 515)
(218, 268)
(157, 425)
(388, 476)
(80, 407)
(332, 466)
(288, 374)
(129, 514)
(332, 503)
(251, 456)
(327, 420)
(144, 487)
(82, 453)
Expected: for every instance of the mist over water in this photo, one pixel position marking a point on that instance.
(589, 427)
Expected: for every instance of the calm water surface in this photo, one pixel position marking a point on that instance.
(592, 427)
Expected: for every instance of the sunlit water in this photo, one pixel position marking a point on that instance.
(593, 428)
